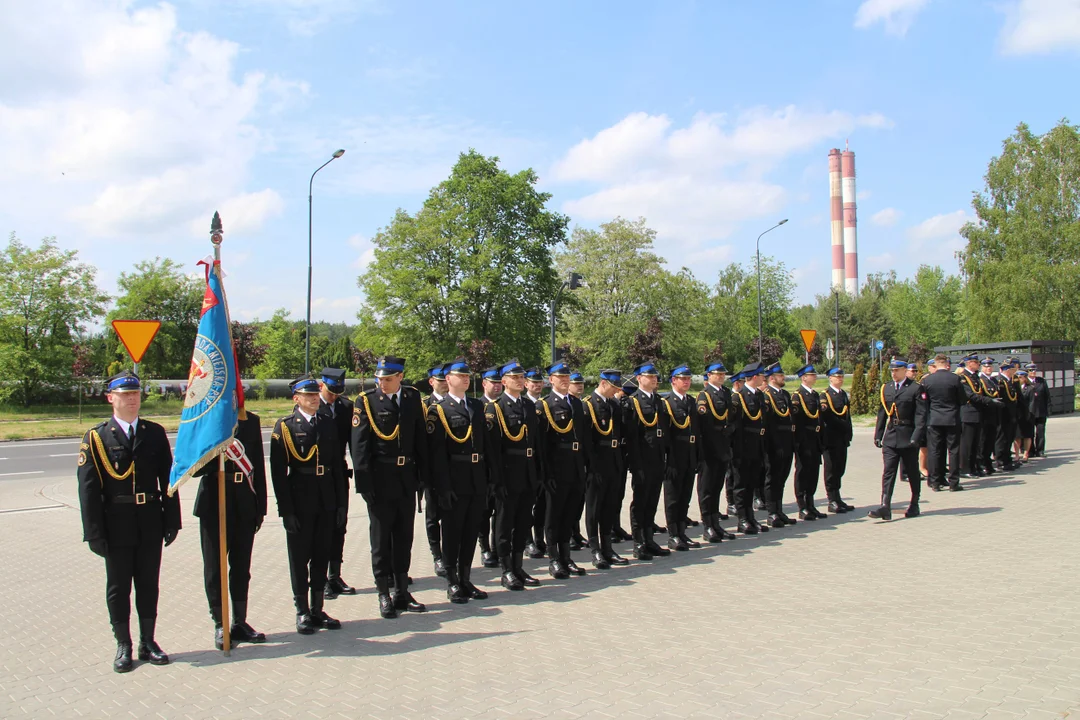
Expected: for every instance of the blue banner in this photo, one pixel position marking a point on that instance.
(211, 404)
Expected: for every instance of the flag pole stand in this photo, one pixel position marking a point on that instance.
(223, 550)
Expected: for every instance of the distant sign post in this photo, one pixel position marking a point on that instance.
(808, 341)
(136, 336)
(830, 351)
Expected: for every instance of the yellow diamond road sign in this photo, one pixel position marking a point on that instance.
(136, 335)
(808, 338)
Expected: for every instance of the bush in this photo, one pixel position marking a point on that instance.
(860, 402)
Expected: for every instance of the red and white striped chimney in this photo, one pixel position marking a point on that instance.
(836, 211)
(851, 247)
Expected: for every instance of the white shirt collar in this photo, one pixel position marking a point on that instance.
(436, 395)
(124, 425)
(677, 394)
(307, 417)
(751, 388)
(808, 387)
(557, 394)
(715, 387)
(455, 398)
(646, 393)
(532, 397)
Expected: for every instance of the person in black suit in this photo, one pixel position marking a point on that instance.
(339, 409)
(646, 441)
(492, 384)
(514, 461)
(605, 469)
(806, 415)
(1039, 402)
(1011, 407)
(836, 435)
(537, 547)
(716, 415)
(389, 454)
(970, 418)
(457, 447)
(898, 432)
(437, 380)
(308, 485)
(943, 395)
(738, 382)
(563, 441)
(683, 457)
(779, 444)
(752, 452)
(123, 472)
(245, 508)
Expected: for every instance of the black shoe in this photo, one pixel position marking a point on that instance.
(599, 561)
(641, 552)
(557, 570)
(340, 587)
(759, 504)
(329, 591)
(242, 632)
(575, 543)
(786, 519)
(956, 488)
(324, 621)
(686, 539)
(971, 476)
(405, 602)
(614, 558)
(690, 523)
(580, 540)
(845, 506)
(912, 511)
(219, 637)
(511, 581)
(534, 551)
(807, 515)
(658, 530)
(440, 567)
(818, 515)
(304, 624)
(936, 486)
(122, 662)
(711, 532)
(488, 559)
(473, 592)
(748, 528)
(1008, 467)
(835, 509)
(454, 591)
(732, 511)
(623, 535)
(526, 579)
(989, 470)
(655, 550)
(775, 521)
(880, 513)
(387, 607)
(676, 543)
(573, 568)
(760, 527)
(150, 650)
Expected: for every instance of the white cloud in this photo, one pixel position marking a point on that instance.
(940, 227)
(367, 252)
(129, 125)
(886, 217)
(896, 15)
(1041, 27)
(697, 184)
(307, 17)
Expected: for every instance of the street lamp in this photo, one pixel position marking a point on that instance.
(573, 281)
(307, 322)
(760, 340)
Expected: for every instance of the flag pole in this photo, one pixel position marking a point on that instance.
(223, 555)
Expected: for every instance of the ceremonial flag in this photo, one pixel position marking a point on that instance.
(212, 402)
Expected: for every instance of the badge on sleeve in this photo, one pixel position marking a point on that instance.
(82, 457)
(356, 418)
(430, 426)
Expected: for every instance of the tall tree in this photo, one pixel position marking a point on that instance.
(732, 311)
(158, 289)
(284, 343)
(474, 263)
(1022, 260)
(924, 311)
(46, 299)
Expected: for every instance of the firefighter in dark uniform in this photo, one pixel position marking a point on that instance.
(1009, 395)
(245, 508)
(752, 452)
(537, 547)
(1039, 402)
(806, 414)
(492, 383)
(738, 382)
(389, 454)
(836, 436)
(457, 432)
(970, 418)
(515, 464)
(618, 533)
(716, 420)
(646, 439)
(308, 485)
(606, 469)
(564, 445)
(437, 380)
(900, 426)
(989, 417)
(124, 466)
(683, 457)
(577, 540)
(339, 409)
(779, 445)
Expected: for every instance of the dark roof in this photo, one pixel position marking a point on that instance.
(1017, 345)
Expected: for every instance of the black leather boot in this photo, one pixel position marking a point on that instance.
(610, 555)
(336, 584)
(622, 534)
(240, 631)
(675, 541)
(746, 525)
(468, 588)
(304, 624)
(653, 547)
(219, 629)
(487, 558)
(640, 551)
(568, 562)
(509, 579)
(709, 533)
(599, 561)
(403, 599)
(526, 579)
(454, 592)
(387, 607)
(811, 509)
(556, 568)
(320, 618)
(148, 648)
(122, 663)
(882, 513)
(440, 568)
(536, 550)
(686, 538)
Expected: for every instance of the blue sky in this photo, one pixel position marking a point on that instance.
(126, 124)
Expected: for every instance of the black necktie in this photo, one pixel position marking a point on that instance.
(393, 400)
(131, 433)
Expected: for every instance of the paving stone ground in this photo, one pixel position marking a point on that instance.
(970, 611)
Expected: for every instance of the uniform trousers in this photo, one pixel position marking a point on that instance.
(513, 522)
(1006, 434)
(539, 516)
(835, 461)
(309, 552)
(460, 528)
(391, 536)
(943, 442)
(1040, 436)
(678, 490)
(561, 512)
(603, 498)
(988, 431)
(807, 470)
(777, 469)
(431, 521)
(711, 474)
(893, 458)
(969, 447)
(239, 539)
(646, 498)
(140, 564)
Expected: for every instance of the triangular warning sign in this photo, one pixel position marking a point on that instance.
(136, 335)
(808, 338)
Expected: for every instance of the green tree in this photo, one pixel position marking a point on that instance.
(732, 311)
(158, 289)
(284, 343)
(924, 311)
(474, 263)
(1022, 260)
(625, 286)
(46, 299)
(860, 402)
(873, 386)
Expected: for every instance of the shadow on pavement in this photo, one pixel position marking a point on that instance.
(962, 511)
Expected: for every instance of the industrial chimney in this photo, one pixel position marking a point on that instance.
(836, 211)
(851, 248)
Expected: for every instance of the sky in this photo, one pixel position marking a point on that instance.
(124, 125)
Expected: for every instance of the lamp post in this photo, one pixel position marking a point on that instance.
(758, 245)
(307, 321)
(573, 281)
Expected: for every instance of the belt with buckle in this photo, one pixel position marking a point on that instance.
(238, 477)
(792, 428)
(317, 470)
(399, 460)
(659, 432)
(525, 452)
(688, 438)
(615, 444)
(465, 457)
(572, 447)
(136, 499)
(817, 428)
